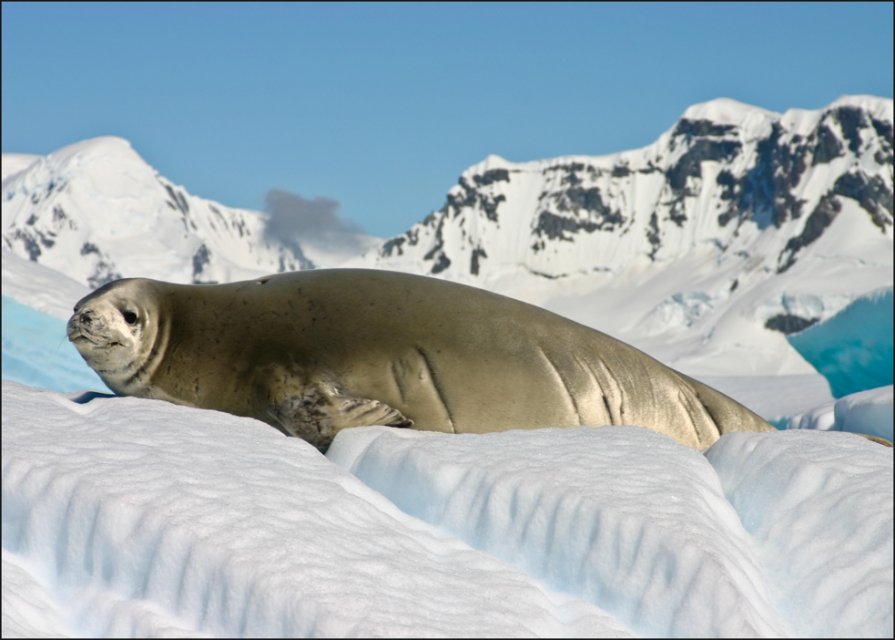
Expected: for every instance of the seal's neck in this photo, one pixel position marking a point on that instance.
(138, 379)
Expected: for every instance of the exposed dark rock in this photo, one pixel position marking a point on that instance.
(442, 263)
(32, 248)
(555, 227)
(571, 179)
(491, 176)
(477, 254)
(89, 247)
(821, 218)
(727, 182)
(103, 274)
(765, 192)
(489, 206)
(872, 194)
(702, 150)
(46, 239)
(58, 214)
(389, 247)
(788, 323)
(676, 213)
(466, 199)
(702, 128)
(587, 199)
(851, 119)
(590, 213)
(621, 171)
(883, 129)
(178, 198)
(201, 259)
(827, 146)
(31, 220)
(652, 235)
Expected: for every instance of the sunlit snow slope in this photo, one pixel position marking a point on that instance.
(97, 211)
(152, 519)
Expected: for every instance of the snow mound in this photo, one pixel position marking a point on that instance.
(868, 412)
(652, 538)
(818, 507)
(148, 519)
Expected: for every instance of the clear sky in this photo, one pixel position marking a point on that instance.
(381, 106)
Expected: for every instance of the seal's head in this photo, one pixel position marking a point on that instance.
(114, 329)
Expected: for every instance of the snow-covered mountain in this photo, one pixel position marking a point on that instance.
(737, 226)
(746, 183)
(97, 211)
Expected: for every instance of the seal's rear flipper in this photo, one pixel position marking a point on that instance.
(320, 412)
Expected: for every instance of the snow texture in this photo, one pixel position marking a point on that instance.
(148, 519)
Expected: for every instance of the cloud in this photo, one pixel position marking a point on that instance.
(294, 220)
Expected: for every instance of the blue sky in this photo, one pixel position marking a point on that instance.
(381, 106)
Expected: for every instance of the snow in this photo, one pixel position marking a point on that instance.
(152, 519)
(15, 162)
(868, 412)
(149, 519)
(732, 112)
(132, 517)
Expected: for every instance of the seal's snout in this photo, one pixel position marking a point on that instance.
(85, 318)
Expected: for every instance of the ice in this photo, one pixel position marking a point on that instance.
(36, 352)
(853, 349)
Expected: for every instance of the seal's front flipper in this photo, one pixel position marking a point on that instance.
(320, 412)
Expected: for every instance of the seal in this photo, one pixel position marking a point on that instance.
(314, 352)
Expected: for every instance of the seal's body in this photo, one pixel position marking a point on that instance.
(314, 352)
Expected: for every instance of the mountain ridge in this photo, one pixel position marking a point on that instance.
(705, 248)
(754, 171)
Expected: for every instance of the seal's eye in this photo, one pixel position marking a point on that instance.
(129, 317)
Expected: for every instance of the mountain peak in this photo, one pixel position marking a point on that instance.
(97, 211)
(874, 105)
(726, 111)
(490, 163)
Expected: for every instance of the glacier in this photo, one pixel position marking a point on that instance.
(853, 349)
